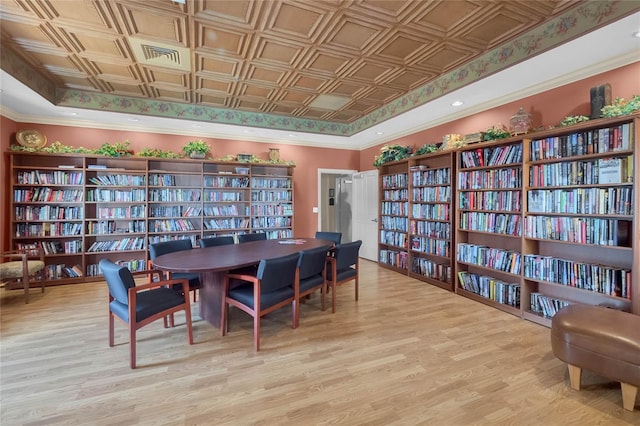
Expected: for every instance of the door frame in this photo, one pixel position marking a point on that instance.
(322, 172)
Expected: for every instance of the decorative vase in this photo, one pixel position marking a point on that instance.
(274, 154)
(198, 155)
(520, 122)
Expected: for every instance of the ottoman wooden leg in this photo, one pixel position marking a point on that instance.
(629, 393)
(575, 375)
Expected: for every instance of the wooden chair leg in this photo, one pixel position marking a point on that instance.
(357, 286)
(333, 297)
(256, 332)
(25, 281)
(132, 345)
(629, 393)
(187, 312)
(223, 317)
(111, 325)
(575, 375)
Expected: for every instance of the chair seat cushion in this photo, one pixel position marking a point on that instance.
(244, 294)
(148, 303)
(14, 269)
(342, 274)
(311, 282)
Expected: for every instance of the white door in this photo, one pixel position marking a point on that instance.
(365, 213)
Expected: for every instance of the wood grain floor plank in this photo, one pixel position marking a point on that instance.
(405, 354)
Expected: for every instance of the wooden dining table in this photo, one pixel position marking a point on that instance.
(212, 263)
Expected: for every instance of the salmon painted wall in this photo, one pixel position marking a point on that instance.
(547, 109)
(307, 160)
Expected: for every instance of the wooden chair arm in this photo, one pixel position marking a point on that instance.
(150, 273)
(243, 277)
(158, 284)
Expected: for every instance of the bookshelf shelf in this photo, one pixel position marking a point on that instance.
(104, 207)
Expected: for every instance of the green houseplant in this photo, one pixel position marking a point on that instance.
(196, 149)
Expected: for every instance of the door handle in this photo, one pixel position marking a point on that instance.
(374, 220)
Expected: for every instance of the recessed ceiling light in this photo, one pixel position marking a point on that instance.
(379, 133)
(636, 34)
(197, 126)
(133, 119)
(457, 103)
(292, 135)
(71, 113)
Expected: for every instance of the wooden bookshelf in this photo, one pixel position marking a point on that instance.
(393, 217)
(488, 239)
(431, 233)
(81, 209)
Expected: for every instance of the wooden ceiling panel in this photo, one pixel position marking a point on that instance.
(275, 56)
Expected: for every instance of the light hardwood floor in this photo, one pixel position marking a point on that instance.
(407, 353)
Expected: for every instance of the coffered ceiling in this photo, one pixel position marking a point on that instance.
(320, 66)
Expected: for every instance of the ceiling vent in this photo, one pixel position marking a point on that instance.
(161, 55)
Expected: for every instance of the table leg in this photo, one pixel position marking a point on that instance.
(211, 296)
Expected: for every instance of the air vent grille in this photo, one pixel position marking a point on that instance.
(155, 52)
(161, 55)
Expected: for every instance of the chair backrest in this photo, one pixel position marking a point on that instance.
(158, 249)
(257, 236)
(119, 280)
(216, 241)
(336, 237)
(278, 272)
(347, 254)
(312, 262)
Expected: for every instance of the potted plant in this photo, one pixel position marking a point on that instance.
(196, 149)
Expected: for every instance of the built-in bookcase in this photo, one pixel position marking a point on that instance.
(431, 233)
(580, 224)
(489, 223)
(393, 216)
(81, 209)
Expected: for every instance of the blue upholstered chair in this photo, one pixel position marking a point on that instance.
(256, 236)
(336, 237)
(158, 249)
(343, 267)
(311, 271)
(216, 241)
(142, 304)
(272, 288)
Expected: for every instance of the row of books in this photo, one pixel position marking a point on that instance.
(431, 246)
(116, 195)
(490, 200)
(271, 196)
(597, 278)
(129, 212)
(119, 180)
(224, 196)
(137, 243)
(398, 239)
(583, 230)
(173, 237)
(399, 259)
(46, 194)
(48, 229)
(431, 177)
(175, 195)
(508, 178)
(397, 223)
(491, 288)
(275, 234)
(431, 229)
(272, 210)
(48, 212)
(431, 211)
(60, 271)
(226, 182)
(172, 225)
(397, 208)
(431, 269)
(617, 200)
(175, 211)
(604, 171)
(271, 222)
(112, 227)
(492, 156)
(56, 177)
(545, 305)
(398, 180)
(431, 194)
(232, 224)
(395, 194)
(610, 139)
(489, 257)
(226, 210)
(157, 179)
(276, 183)
(495, 223)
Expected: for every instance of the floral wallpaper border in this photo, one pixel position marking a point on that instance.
(574, 23)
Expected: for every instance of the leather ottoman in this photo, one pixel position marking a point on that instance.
(602, 340)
